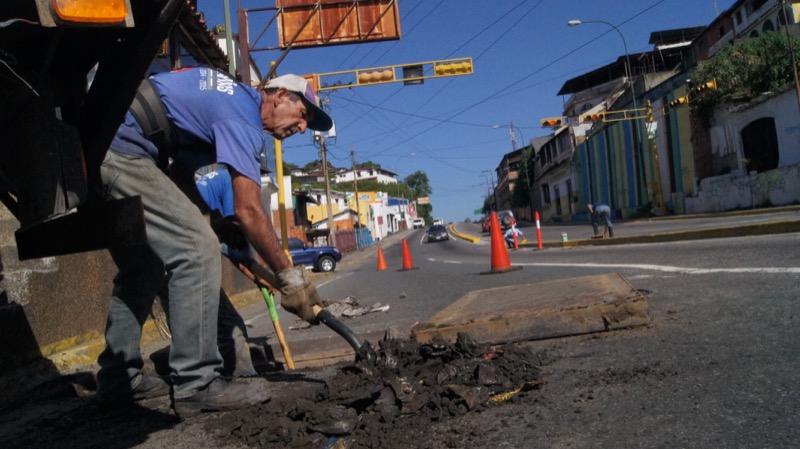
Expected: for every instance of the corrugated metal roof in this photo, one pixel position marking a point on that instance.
(197, 38)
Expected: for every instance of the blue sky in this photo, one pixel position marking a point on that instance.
(523, 52)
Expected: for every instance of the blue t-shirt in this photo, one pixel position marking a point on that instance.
(216, 189)
(214, 119)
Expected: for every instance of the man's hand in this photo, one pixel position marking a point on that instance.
(298, 296)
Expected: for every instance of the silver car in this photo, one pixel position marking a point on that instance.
(436, 233)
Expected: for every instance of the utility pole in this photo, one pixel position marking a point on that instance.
(494, 189)
(355, 190)
(513, 136)
(329, 199)
(638, 154)
(229, 39)
(659, 189)
(281, 194)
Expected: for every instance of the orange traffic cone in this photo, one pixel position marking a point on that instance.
(500, 260)
(408, 264)
(381, 261)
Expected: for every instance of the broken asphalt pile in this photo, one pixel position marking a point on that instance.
(390, 396)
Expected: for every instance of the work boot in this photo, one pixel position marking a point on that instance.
(146, 387)
(222, 394)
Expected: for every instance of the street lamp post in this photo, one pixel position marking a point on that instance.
(628, 69)
(320, 139)
(512, 132)
(628, 72)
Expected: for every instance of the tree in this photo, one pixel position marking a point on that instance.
(364, 185)
(424, 211)
(317, 165)
(746, 70)
(419, 183)
(288, 167)
(369, 165)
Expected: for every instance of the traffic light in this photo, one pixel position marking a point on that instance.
(413, 74)
(596, 117)
(679, 101)
(707, 86)
(552, 122)
(377, 76)
(409, 74)
(453, 68)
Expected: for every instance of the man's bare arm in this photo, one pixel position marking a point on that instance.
(256, 223)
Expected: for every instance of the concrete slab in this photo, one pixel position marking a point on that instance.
(540, 310)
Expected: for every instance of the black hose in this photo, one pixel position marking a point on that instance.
(335, 325)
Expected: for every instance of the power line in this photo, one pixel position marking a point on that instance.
(486, 28)
(497, 94)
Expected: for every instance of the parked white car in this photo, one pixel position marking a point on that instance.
(418, 223)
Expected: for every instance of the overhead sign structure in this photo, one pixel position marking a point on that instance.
(412, 73)
(616, 115)
(313, 23)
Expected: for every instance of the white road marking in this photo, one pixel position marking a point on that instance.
(335, 278)
(673, 269)
(253, 319)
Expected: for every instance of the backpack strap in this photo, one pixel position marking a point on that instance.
(149, 112)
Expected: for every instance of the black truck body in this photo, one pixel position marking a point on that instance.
(64, 89)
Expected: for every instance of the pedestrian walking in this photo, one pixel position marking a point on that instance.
(181, 121)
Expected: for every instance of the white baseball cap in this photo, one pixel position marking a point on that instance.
(293, 83)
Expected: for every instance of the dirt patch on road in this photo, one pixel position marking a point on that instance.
(392, 401)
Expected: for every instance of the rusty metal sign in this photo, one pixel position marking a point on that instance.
(307, 23)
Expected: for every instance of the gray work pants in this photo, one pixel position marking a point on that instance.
(180, 242)
(231, 337)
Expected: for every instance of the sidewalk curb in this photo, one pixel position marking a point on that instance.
(466, 237)
(776, 227)
(732, 213)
